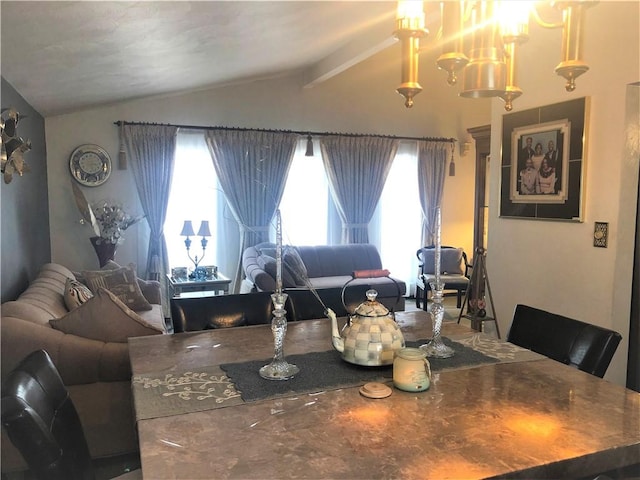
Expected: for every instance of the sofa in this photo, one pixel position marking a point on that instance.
(323, 269)
(89, 347)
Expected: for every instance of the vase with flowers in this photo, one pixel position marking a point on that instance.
(108, 221)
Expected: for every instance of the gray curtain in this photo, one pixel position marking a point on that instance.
(432, 162)
(357, 168)
(151, 150)
(252, 168)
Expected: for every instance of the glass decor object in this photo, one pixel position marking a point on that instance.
(279, 369)
(436, 347)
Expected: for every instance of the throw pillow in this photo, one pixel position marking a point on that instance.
(104, 318)
(268, 264)
(75, 294)
(294, 264)
(122, 282)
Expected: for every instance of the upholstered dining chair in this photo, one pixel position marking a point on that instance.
(43, 424)
(586, 347)
(454, 270)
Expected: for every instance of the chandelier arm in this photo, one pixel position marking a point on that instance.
(538, 19)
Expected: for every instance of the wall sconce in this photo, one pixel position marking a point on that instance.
(199, 273)
(13, 147)
(493, 31)
(465, 147)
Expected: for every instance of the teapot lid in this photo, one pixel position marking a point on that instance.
(371, 307)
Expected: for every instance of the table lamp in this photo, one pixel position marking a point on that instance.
(199, 273)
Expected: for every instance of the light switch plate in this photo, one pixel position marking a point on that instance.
(600, 234)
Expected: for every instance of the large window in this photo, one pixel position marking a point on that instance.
(308, 217)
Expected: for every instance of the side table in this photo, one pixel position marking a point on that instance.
(199, 288)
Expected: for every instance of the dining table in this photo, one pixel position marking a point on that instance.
(493, 410)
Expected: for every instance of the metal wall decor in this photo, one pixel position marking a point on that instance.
(13, 146)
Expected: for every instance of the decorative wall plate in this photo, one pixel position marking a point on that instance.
(90, 165)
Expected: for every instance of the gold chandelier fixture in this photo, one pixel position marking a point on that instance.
(481, 39)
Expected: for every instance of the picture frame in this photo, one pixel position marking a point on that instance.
(543, 162)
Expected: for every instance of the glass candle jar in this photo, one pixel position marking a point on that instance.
(411, 370)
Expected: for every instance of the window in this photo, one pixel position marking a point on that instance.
(399, 217)
(305, 200)
(194, 196)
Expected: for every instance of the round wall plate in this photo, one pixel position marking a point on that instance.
(90, 165)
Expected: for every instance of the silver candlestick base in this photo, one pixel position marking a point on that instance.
(279, 369)
(436, 347)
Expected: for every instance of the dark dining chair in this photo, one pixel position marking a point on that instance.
(454, 267)
(43, 424)
(586, 347)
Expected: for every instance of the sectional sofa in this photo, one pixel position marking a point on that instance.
(89, 347)
(321, 270)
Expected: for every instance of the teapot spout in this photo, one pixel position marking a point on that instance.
(336, 339)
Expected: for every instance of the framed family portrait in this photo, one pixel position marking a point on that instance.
(543, 162)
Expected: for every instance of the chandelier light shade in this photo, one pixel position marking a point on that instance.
(409, 30)
(187, 229)
(482, 40)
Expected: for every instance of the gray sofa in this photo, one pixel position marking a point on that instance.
(93, 361)
(325, 269)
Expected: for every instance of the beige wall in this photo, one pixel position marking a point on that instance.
(553, 265)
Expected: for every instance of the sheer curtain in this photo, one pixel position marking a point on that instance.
(432, 162)
(151, 149)
(357, 168)
(252, 168)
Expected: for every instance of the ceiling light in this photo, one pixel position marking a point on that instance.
(482, 40)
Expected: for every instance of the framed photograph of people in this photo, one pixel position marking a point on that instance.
(543, 162)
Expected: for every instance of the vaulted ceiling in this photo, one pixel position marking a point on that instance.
(65, 56)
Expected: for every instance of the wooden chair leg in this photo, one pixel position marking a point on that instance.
(418, 295)
(459, 299)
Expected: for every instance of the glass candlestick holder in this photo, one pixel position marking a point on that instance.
(279, 368)
(436, 347)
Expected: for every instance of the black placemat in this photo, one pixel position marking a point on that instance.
(327, 370)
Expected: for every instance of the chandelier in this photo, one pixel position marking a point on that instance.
(481, 39)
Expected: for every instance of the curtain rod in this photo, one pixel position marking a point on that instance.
(298, 132)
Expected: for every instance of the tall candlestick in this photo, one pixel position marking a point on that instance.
(438, 246)
(278, 252)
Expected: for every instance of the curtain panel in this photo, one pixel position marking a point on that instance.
(357, 168)
(432, 162)
(252, 168)
(151, 149)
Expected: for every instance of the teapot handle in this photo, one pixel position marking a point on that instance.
(358, 274)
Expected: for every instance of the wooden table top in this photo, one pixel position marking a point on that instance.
(529, 419)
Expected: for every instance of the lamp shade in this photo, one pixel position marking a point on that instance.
(187, 229)
(204, 229)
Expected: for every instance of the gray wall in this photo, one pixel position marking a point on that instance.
(24, 230)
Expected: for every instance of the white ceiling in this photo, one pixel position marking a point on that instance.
(64, 56)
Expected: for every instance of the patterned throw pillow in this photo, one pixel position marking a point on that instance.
(122, 282)
(75, 294)
(106, 319)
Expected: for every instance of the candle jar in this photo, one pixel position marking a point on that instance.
(411, 370)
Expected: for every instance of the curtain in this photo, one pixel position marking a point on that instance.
(252, 168)
(357, 168)
(432, 162)
(151, 149)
